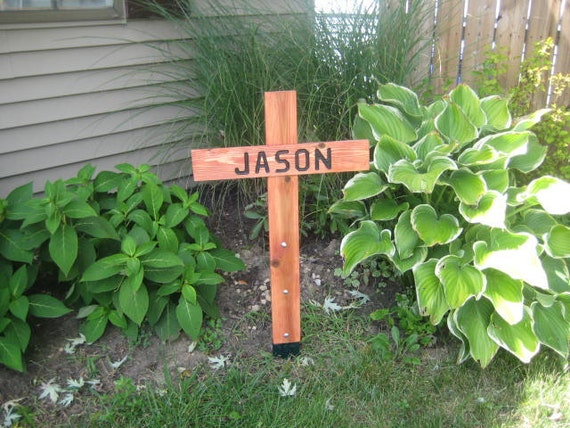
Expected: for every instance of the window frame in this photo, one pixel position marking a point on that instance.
(116, 12)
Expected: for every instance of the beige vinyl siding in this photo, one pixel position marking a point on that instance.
(76, 95)
(88, 93)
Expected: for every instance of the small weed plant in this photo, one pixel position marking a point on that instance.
(440, 204)
(126, 249)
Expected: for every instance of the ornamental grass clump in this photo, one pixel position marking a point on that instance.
(486, 256)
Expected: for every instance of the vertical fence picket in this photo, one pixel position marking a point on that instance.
(478, 36)
(543, 23)
(447, 44)
(563, 58)
(510, 37)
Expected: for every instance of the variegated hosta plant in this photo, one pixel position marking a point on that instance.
(440, 202)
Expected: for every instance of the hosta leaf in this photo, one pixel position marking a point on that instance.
(518, 339)
(455, 125)
(417, 181)
(550, 192)
(469, 187)
(528, 121)
(506, 294)
(557, 273)
(364, 242)
(361, 130)
(134, 301)
(557, 242)
(386, 120)
(405, 99)
(496, 179)
(512, 253)
(386, 209)
(469, 102)
(433, 229)
(363, 185)
(490, 210)
(481, 156)
(538, 221)
(403, 265)
(389, 151)
(405, 237)
(63, 247)
(44, 306)
(551, 328)
(431, 297)
(533, 157)
(507, 143)
(497, 111)
(430, 143)
(189, 317)
(460, 281)
(454, 329)
(473, 319)
(348, 209)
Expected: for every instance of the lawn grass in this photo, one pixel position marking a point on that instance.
(341, 382)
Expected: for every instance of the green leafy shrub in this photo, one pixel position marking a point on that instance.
(553, 131)
(440, 204)
(129, 249)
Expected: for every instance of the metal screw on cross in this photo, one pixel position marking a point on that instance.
(282, 160)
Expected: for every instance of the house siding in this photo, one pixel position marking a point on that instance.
(90, 93)
(87, 94)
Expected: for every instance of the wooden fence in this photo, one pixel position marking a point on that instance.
(464, 30)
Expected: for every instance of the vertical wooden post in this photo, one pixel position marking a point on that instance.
(281, 161)
(283, 205)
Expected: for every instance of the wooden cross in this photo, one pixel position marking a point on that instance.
(282, 160)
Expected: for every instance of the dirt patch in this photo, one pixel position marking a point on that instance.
(244, 301)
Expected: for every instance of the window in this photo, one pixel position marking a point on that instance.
(22, 11)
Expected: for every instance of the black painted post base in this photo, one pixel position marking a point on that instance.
(286, 350)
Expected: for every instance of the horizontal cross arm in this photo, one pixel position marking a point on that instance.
(280, 160)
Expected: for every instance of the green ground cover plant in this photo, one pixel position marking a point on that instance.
(487, 257)
(121, 246)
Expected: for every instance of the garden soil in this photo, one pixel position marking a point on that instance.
(245, 304)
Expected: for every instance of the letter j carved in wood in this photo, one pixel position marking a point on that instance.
(282, 160)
